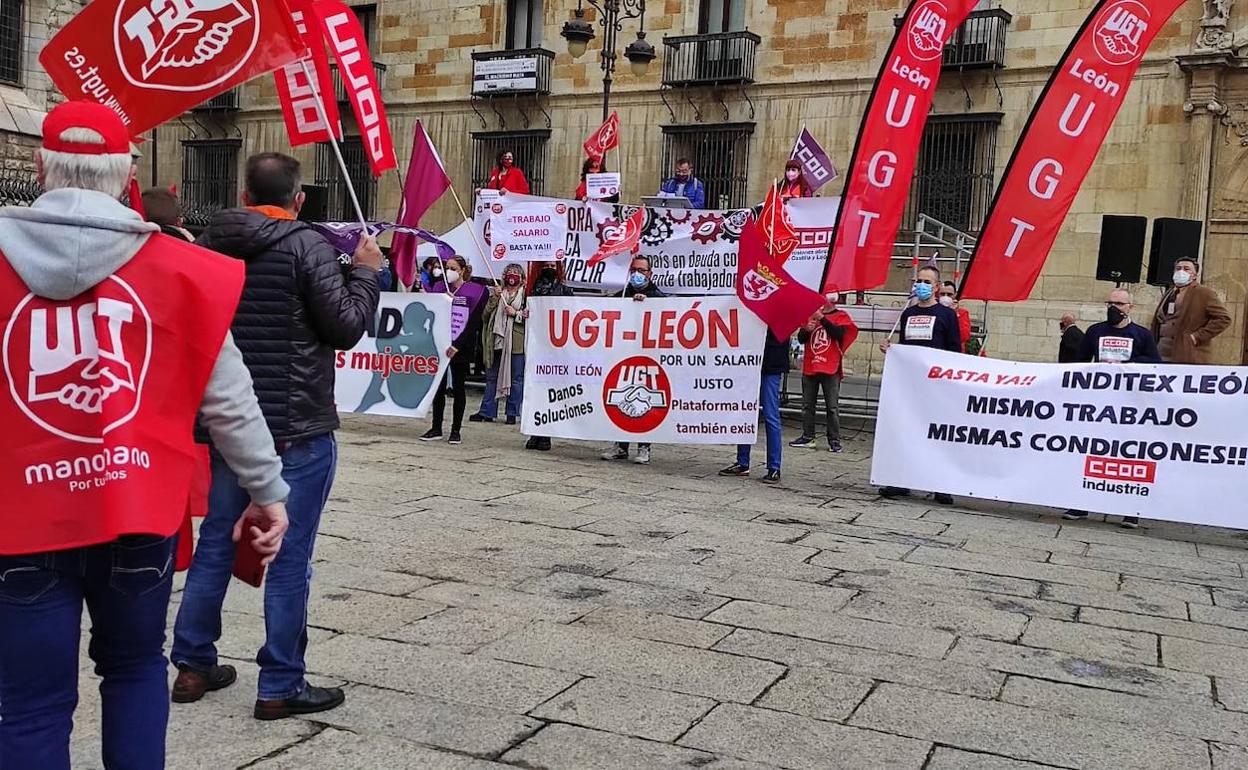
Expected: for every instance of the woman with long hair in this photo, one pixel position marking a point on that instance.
(467, 308)
(503, 347)
(507, 176)
(794, 184)
(593, 166)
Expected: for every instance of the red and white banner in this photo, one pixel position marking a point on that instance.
(151, 61)
(346, 39)
(298, 94)
(878, 182)
(606, 138)
(1059, 144)
(776, 227)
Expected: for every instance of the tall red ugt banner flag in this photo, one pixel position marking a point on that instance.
(152, 60)
(606, 138)
(767, 290)
(346, 39)
(1059, 144)
(298, 94)
(883, 163)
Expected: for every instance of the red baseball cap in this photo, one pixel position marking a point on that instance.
(92, 115)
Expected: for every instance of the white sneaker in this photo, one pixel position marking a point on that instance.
(643, 455)
(615, 453)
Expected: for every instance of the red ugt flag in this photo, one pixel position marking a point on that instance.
(781, 237)
(768, 291)
(152, 60)
(346, 39)
(298, 94)
(606, 138)
(620, 237)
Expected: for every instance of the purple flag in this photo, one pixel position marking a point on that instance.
(345, 236)
(426, 182)
(816, 165)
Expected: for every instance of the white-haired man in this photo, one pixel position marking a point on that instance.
(115, 337)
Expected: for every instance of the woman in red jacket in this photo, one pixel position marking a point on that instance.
(506, 176)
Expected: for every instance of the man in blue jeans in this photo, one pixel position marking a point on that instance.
(298, 306)
(775, 366)
(98, 454)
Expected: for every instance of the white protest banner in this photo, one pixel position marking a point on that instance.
(673, 370)
(528, 231)
(813, 219)
(394, 368)
(604, 185)
(1158, 441)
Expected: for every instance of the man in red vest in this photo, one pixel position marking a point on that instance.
(114, 337)
(825, 338)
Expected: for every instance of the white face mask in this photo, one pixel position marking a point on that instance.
(1182, 278)
(452, 276)
(436, 272)
(946, 300)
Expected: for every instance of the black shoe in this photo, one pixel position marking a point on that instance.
(803, 442)
(1074, 515)
(1130, 522)
(892, 492)
(191, 685)
(478, 417)
(772, 477)
(835, 447)
(736, 469)
(511, 420)
(433, 434)
(454, 438)
(312, 700)
(531, 443)
(543, 444)
(942, 498)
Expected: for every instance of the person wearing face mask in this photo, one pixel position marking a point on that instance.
(430, 273)
(1117, 340)
(929, 324)
(507, 176)
(794, 184)
(640, 286)
(1188, 317)
(592, 166)
(467, 308)
(825, 338)
(1072, 338)
(683, 184)
(546, 281)
(503, 341)
(949, 298)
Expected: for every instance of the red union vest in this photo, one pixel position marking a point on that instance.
(824, 355)
(101, 393)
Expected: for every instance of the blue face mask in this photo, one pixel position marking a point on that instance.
(923, 291)
(638, 280)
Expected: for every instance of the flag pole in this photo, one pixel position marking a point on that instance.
(796, 142)
(485, 255)
(772, 235)
(333, 143)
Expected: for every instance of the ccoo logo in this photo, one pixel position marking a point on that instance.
(1118, 31)
(928, 30)
(637, 394)
(184, 45)
(77, 368)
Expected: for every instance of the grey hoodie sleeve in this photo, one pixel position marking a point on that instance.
(232, 416)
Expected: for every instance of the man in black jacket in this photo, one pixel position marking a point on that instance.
(297, 308)
(1072, 338)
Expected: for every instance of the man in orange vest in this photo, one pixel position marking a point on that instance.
(115, 336)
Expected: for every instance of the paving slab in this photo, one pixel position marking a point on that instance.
(1097, 642)
(653, 626)
(956, 619)
(817, 693)
(627, 709)
(1217, 659)
(945, 758)
(610, 592)
(336, 749)
(578, 748)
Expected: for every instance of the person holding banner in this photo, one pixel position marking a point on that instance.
(641, 285)
(794, 184)
(546, 281)
(1188, 317)
(467, 309)
(503, 347)
(775, 366)
(826, 336)
(593, 165)
(507, 176)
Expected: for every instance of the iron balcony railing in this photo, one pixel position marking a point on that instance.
(226, 101)
(721, 58)
(514, 72)
(340, 89)
(980, 42)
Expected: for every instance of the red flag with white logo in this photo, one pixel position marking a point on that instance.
(878, 182)
(777, 229)
(345, 36)
(298, 93)
(606, 138)
(768, 291)
(619, 237)
(1058, 146)
(150, 60)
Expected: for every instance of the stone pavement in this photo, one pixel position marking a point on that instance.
(488, 607)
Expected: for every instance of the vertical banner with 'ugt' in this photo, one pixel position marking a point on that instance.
(1059, 144)
(300, 84)
(878, 181)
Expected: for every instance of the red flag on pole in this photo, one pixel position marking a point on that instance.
(151, 62)
(606, 138)
(768, 291)
(620, 237)
(426, 181)
(298, 94)
(346, 39)
(1059, 144)
(878, 182)
(776, 227)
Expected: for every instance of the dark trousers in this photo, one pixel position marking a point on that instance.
(830, 384)
(458, 372)
(125, 586)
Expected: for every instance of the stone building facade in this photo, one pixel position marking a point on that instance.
(733, 84)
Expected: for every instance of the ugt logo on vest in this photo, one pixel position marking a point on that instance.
(637, 394)
(184, 45)
(77, 368)
(1118, 32)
